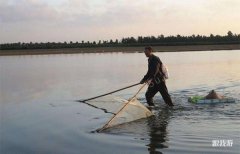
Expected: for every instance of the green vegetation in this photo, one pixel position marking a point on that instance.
(161, 40)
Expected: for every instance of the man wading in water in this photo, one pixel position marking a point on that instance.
(156, 75)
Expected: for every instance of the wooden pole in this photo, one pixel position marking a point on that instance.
(109, 93)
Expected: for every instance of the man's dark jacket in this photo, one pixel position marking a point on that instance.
(154, 69)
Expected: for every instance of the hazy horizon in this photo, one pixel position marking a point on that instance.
(77, 20)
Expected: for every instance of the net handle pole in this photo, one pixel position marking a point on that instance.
(109, 93)
(99, 130)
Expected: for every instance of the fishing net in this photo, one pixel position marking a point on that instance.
(123, 111)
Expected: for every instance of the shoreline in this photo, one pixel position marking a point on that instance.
(119, 49)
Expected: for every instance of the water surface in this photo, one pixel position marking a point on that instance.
(39, 112)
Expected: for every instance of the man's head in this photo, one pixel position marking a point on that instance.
(213, 95)
(148, 51)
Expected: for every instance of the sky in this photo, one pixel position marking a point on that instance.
(93, 20)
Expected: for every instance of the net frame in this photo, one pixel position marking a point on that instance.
(108, 124)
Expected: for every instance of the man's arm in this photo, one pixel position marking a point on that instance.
(152, 69)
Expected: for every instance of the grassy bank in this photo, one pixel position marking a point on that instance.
(120, 49)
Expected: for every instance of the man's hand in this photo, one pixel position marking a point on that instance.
(142, 81)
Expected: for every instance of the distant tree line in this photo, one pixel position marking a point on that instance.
(160, 40)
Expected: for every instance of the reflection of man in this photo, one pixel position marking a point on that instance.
(158, 131)
(155, 74)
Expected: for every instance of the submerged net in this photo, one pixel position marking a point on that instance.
(123, 110)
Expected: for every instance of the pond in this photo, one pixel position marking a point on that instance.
(40, 114)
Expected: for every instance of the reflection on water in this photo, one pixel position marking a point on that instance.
(39, 113)
(158, 132)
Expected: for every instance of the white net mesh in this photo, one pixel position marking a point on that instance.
(110, 103)
(123, 110)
